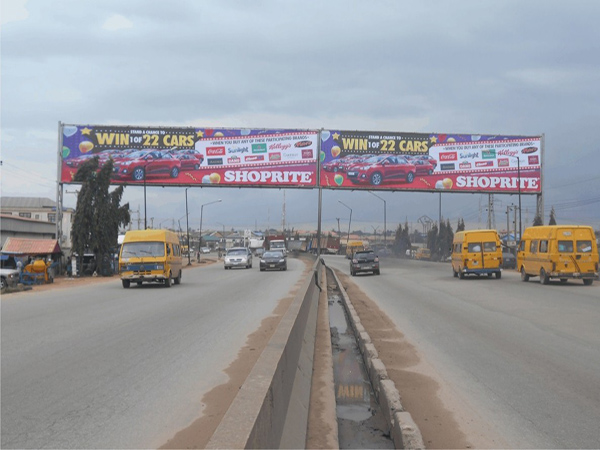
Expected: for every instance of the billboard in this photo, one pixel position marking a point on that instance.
(376, 160)
(194, 156)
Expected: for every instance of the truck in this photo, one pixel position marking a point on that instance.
(275, 242)
(329, 244)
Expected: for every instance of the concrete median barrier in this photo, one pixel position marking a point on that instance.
(271, 408)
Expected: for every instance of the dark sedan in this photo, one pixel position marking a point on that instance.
(273, 261)
(364, 261)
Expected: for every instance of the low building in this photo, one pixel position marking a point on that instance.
(37, 220)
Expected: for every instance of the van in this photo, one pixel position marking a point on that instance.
(353, 247)
(476, 252)
(423, 253)
(558, 251)
(150, 256)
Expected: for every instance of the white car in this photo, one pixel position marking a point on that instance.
(238, 257)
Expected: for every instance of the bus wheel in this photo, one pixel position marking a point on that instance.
(588, 281)
(454, 273)
(498, 275)
(125, 283)
(168, 281)
(178, 279)
(544, 278)
(461, 274)
(524, 276)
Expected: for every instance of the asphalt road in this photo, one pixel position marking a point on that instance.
(105, 367)
(525, 356)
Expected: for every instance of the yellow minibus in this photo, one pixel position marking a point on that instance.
(150, 256)
(476, 252)
(558, 251)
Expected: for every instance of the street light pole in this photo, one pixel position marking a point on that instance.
(349, 222)
(201, 213)
(519, 181)
(187, 225)
(145, 212)
(384, 219)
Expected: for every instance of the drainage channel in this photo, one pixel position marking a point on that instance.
(360, 421)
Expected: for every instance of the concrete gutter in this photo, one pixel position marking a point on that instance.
(271, 407)
(403, 429)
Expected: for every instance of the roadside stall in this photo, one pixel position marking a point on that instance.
(40, 258)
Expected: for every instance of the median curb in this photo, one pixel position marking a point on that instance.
(403, 429)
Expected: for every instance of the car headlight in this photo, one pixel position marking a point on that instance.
(282, 260)
(262, 261)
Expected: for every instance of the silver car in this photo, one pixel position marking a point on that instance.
(238, 257)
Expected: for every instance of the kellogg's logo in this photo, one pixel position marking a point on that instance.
(484, 163)
(449, 156)
(215, 151)
(302, 144)
(307, 154)
(280, 146)
(274, 156)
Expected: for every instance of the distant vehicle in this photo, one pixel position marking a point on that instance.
(381, 169)
(558, 251)
(275, 242)
(364, 261)
(423, 254)
(354, 246)
(476, 252)
(273, 260)
(150, 256)
(204, 250)
(238, 257)
(509, 261)
(144, 164)
(9, 275)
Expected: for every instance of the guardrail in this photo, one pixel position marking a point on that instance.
(271, 408)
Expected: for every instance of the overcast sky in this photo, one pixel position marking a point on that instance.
(482, 67)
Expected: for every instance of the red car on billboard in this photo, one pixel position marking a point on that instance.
(338, 165)
(381, 169)
(146, 163)
(189, 161)
(423, 166)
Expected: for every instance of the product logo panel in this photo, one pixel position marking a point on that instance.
(488, 154)
(254, 158)
(214, 161)
(447, 166)
(484, 164)
(215, 151)
(259, 148)
(448, 156)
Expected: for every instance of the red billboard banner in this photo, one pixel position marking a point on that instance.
(194, 156)
(377, 160)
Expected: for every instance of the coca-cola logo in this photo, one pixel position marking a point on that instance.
(449, 156)
(215, 151)
(301, 144)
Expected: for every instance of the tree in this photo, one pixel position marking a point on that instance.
(552, 220)
(402, 240)
(538, 221)
(98, 214)
(461, 225)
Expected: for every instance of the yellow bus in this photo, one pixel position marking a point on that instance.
(558, 251)
(150, 256)
(476, 252)
(353, 247)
